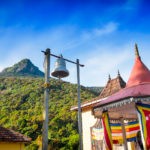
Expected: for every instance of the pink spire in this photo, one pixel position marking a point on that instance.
(140, 73)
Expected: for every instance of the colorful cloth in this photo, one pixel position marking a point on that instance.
(107, 131)
(97, 134)
(131, 131)
(144, 119)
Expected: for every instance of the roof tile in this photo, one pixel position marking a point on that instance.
(8, 135)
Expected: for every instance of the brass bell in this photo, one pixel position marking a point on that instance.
(60, 70)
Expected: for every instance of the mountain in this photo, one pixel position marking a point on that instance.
(23, 68)
(21, 103)
(95, 89)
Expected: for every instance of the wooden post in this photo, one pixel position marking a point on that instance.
(46, 99)
(124, 133)
(79, 108)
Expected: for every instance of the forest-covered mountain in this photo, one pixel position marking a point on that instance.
(23, 68)
(95, 89)
(21, 105)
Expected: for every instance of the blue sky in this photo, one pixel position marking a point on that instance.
(101, 33)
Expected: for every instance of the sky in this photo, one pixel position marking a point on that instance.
(100, 33)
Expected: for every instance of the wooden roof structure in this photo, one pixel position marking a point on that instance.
(112, 86)
(8, 135)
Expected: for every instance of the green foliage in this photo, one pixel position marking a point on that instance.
(32, 146)
(21, 103)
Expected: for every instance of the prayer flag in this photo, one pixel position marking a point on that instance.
(107, 131)
(144, 120)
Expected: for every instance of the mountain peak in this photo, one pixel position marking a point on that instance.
(23, 68)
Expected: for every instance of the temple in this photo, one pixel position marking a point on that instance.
(89, 120)
(125, 104)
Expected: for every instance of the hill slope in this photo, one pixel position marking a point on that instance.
(23, 68)
(21, 103)
(95, 89)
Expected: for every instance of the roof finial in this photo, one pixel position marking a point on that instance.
(136, 51)
(109, 78)
(118, 73)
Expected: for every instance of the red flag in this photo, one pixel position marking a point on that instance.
(144, 119)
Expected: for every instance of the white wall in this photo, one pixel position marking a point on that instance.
(88, 121)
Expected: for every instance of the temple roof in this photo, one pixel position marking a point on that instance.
(112, 86)
(8, 135)
(138, 84)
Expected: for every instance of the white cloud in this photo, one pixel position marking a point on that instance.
(84, 37)
(99, 64)
(107, 29)
(98, 67)
(102, 50)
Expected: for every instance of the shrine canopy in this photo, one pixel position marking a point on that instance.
(137, 89)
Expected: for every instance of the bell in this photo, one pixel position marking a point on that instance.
(60, 70)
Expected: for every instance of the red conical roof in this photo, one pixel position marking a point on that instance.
(140, 73)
